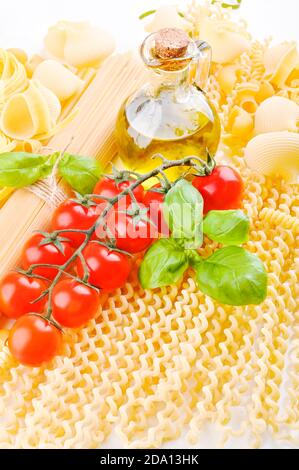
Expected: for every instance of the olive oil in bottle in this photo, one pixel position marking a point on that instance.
(171, 115)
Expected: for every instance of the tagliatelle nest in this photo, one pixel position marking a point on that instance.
(158, 363)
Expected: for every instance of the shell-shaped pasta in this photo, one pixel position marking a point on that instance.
(28, 114)
(6, 145)
(240, 122)
(19, 54)
(265, 91)
(227, 78)
(13, 76)
(79, 44)
(167, 16)
(245, 96)
(276, 114)
(57, 78)
(32, 63)
(226, 43)
(279, 62)
(275, 154)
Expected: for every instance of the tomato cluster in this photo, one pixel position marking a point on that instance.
(92, 260)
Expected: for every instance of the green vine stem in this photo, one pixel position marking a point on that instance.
(192, 162)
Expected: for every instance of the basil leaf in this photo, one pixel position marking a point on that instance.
(228, 227)
(234, 4)
(183, 212)
(233, 276)
(163, 264)
(18, 169)
(146, 13)
(82, 173)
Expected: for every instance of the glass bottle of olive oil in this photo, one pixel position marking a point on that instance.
(171, 115)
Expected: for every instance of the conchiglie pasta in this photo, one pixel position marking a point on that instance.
(226, 43)
(167, 16)
(276, 114)
(57, 78)
(279, 62)
(28, 114)
(79, 44)
(240, 122)
(13, 76)
(274, 154)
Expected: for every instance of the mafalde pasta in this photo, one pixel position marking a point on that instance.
(159, 364)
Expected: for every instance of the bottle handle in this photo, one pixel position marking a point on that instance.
(203, 63)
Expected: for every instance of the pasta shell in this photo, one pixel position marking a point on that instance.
(226, 44)
(245, 96)
(6, 145)
(276, 114)
(279, 62)
(79, 44)
(275, 154)
(166, 16)
(227, 78)
(13, 78)
(240, 122)
(32, 63)
(57, 78)
(265, 91)
(33, 112)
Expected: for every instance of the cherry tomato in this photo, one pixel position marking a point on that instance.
(221, 190)
(17, 293)
(109, 188)
(130, 235)
(108, 269)
(73, 215)
(34, 340)
(154, 201)
(33, 253)
(74, 304)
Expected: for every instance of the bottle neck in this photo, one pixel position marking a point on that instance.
(174, 81)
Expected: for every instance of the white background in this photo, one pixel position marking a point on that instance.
(23, 23)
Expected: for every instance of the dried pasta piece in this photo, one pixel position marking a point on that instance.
(79, 44)
(275, 153)
(13, 78)
(226, 43)
(240, 122)
(57, 78)
(227, 78)
(276, 114)
(33, 112)
(19, 54)
(265, 91)
(167, 16)
(279, 62)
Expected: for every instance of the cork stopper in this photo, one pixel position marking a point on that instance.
(171, 43)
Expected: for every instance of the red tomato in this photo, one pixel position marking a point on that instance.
(109, 188)
(154, 201)
(73, 215)
(45, 254)
(17, 292)
(74, 304)
(34, 340)
(108, 269)
(130, 236)
(221, 190)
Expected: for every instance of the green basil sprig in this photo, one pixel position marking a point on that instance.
(230, 227)
(183, 212)
(19, 169)
(163, 264)
(234, 4)
(82, 173)
(233, 276)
